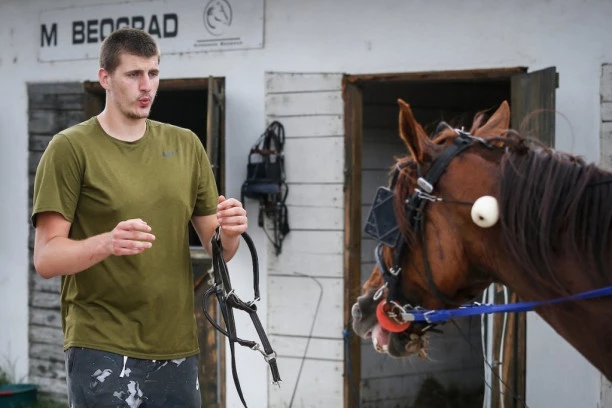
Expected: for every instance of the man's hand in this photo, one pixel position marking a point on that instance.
(231, 217)
(130, 237)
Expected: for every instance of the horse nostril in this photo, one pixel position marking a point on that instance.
(356, 312)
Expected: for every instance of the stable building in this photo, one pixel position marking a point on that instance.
(331, 74)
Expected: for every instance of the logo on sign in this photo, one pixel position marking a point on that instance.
(217, 16)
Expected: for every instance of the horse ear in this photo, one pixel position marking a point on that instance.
(497, 124)
(412, 133)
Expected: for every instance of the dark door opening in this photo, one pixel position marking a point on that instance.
(455, 372)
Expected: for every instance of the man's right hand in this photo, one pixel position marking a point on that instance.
(130, 237)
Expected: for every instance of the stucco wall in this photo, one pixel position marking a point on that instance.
(355, 37)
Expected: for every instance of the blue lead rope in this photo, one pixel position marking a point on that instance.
(443, 315)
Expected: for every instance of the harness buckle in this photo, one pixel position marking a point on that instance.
(426, 316)
(425, 185)
(395, 270)
(428, 197)
(380, 291)
(252, 302)
(266, 357)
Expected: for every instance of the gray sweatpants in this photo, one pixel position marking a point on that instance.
(102, 379)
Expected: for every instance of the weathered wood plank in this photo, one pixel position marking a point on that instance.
(55, 388)
(402, 391)
(300, 104)
(606, 145)
(316, 384)
(38, 143)
(47, 335)
(53, 121)
(293, 313)
(316, 195)
(45, 317)
(37, 100)
(606, 111)
(47, 369)
(282, 82)
(606, 82)
(366, 270)
(33, 160)
(370, 181)
(315, 218)
(290, 346)
(50, 352)
(52, 285)
(381, 156)
(45, 300)
(381, 135)
(315, 160)
(367, 249)
(54, 88)
(311, 126)
(315, 253)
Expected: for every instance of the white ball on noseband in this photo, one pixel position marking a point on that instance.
(485, 212)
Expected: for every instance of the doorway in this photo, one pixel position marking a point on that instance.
(196, 104)
(455, 372)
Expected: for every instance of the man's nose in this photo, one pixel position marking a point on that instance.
(145, 83)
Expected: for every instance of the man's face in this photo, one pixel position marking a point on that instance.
(133, 85)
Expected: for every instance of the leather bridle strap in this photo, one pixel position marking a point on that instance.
(228, 300)
(415, 213)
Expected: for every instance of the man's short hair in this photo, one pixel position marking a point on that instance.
(126, 40)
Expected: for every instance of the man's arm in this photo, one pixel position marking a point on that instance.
(55, 254)
(233, 221)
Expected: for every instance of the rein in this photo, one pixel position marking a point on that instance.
(228, 300)
(443, 315)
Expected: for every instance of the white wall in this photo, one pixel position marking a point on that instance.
(355, 36)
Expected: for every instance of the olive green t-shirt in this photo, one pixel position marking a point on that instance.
(142, 305)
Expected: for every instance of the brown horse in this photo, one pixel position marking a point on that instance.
(549, 235)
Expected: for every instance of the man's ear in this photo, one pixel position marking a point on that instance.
(413, 135)
(104, 78)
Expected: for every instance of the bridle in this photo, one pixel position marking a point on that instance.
(228, 300)
(382, 225)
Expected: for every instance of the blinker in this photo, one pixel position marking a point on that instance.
(381, 223)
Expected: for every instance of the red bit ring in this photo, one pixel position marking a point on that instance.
(387, 322)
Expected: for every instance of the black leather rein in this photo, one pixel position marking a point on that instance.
(228, 300)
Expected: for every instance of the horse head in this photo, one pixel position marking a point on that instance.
(445, 196)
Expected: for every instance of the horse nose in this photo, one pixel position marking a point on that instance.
(356, 312)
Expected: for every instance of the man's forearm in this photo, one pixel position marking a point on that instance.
(230, 245)
(65, 256)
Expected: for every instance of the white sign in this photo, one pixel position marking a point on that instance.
(179, 26)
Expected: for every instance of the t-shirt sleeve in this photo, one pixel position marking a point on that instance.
(207, 194)
(57, 184)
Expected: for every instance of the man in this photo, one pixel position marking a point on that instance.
(113, 197)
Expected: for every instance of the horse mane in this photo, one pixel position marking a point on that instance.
(555, 208)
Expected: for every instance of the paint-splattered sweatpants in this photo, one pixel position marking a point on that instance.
(102, 379)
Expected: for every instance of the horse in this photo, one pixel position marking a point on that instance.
(500, 208)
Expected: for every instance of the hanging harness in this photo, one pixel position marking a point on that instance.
(266, 183)
(382, 225)
(228, 300)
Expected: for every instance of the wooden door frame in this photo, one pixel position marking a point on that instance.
(353, 111)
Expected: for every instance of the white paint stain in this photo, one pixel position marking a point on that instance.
(124, 372)
(101, 375)
(179, 361)
(134, 400)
